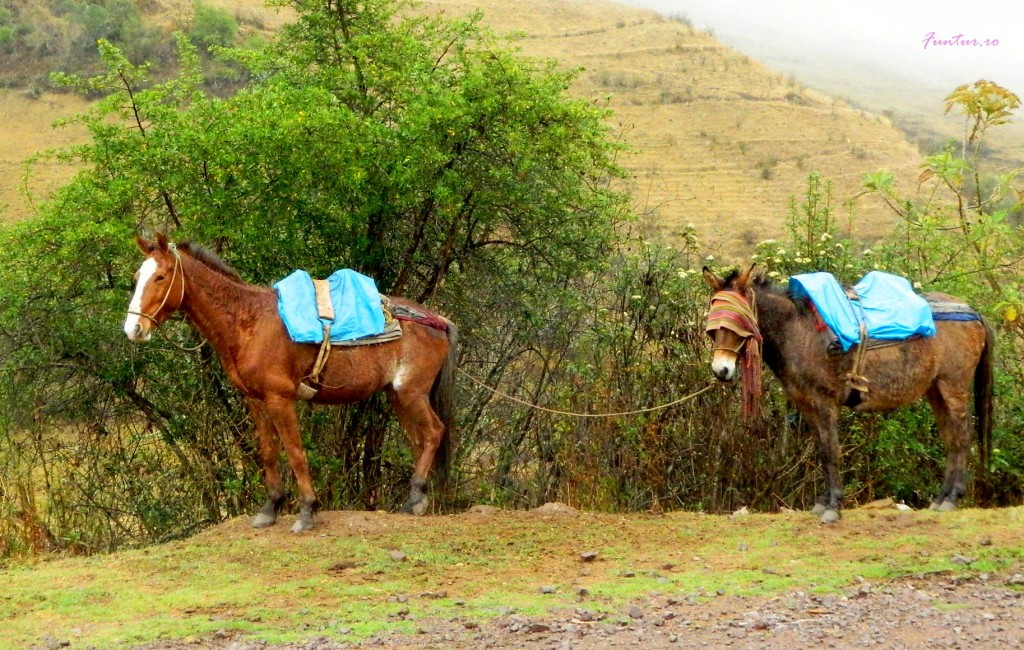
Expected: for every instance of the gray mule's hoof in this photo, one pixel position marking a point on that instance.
(302, 525)
(945, 506)
(262, 520)
(818, 509)
(830, 516)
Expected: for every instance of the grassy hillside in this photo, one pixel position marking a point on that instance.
(721, 141)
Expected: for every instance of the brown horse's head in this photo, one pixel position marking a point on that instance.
(159, 288)
(731, 321)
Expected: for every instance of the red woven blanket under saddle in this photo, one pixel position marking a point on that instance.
(423, 317)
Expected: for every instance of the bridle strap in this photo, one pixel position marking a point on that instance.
(735, 349)
(174, 274)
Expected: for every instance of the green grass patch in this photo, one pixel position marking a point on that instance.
(342, 581)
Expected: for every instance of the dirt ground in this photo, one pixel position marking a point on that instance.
(928, 612)
(932, 609)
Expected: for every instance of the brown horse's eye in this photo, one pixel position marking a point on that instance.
(161, 277)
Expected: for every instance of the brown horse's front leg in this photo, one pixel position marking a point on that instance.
(270, 450)
(282, 413)
(823, 422)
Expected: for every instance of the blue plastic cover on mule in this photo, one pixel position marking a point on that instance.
(357, 310)
(888, 305)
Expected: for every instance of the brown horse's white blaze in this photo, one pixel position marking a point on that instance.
(941, 368)
(241, 322)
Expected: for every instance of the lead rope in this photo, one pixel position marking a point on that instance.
(586, 415)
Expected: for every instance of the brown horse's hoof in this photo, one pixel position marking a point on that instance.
(262, 520)
(417, 508)
(829, 516)
(302, 524)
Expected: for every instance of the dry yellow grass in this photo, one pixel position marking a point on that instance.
(26, 129)
(721, 141)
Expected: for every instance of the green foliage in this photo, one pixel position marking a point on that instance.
(815, 242)
(212, 27)
(111, 20)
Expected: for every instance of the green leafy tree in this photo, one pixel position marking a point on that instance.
(425, 153)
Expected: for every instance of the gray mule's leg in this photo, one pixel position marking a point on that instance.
(949, 404)
(822, 419)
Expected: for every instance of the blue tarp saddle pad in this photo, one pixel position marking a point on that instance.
(356, 302)
(887, 304)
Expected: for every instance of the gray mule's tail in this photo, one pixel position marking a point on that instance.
(983, 399)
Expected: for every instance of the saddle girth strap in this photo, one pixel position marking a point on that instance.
(325, 310)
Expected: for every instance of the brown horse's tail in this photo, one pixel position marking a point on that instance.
(442, 400)
(983, 398)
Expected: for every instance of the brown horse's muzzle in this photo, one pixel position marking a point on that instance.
(138, 329)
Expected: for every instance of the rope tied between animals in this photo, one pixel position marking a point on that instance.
(588, 415)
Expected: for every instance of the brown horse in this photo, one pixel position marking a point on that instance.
(941, 368)
(242, 324)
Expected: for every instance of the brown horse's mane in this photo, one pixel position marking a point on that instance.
(210, 259)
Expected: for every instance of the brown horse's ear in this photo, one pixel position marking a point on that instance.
(161, 242)
(143, 245)
(716, 283)
(744, 279)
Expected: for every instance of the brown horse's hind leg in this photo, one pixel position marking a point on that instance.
(282, 414)
(425, 431)
(949, 405)
(270, 448)
(822, 420)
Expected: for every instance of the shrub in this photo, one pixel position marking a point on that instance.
(212, 27)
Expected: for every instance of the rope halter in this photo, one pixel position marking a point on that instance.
(170, 287)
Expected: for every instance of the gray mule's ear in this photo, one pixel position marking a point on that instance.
(716, 283)
(745, 277)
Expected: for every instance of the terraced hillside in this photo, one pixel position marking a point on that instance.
(722, 142)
